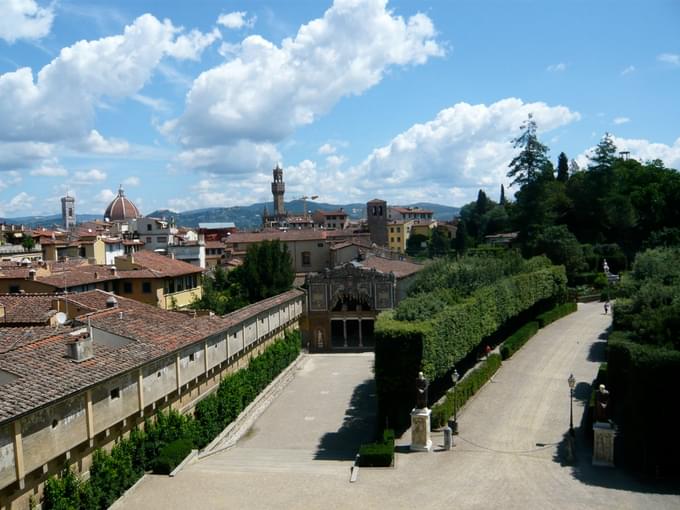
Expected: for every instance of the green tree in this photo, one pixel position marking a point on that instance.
(528, 164)
(28, 242)
(267, 270)
(482, 203)
(416, 245)
(503, 201)
(562, 167)
(462, 242)
(603, 155)
(439, 245)
(561, 247)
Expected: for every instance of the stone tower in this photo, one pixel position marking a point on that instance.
(376, 215)
(278, 189)
(68, 212)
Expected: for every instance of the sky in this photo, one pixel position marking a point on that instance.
(190, 104)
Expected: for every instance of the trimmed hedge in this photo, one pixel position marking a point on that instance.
(403, 348)
(643, 383)
(518, 339)
(169, 438)
(172, 455)
(380, 454)
(556, 313)
(467, 387)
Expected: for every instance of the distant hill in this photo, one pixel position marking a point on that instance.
(245, 217)
(249, 217)
(47, 221)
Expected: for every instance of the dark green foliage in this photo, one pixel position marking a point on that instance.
(562, 167)
(518, 339)
(416, 245)
(503, 201)
(380, 454)
(28, 242)
(266, 271)
(462, 242)
(556, 313)
(466, 388)
(438, 245)
(167, 440)
(532, 158)
(434, 345)
(561, 247)
(172, 455)
(604, 155)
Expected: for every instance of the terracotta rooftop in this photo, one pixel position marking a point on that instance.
(290, 235)
(338, 212)
(44, 374)
(121, 208)
(26, 309)
(162, 265)
(406, 210)
(400, 268)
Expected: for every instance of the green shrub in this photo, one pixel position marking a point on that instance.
(466, 388)
(556, 313)
(518, 339)
(172, 455)
(380, 454)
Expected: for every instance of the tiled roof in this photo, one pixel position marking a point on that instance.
(290, 235)
(44, 374)
(26, 308)
(400, 268)
(121, 208)
(162, 265)
(404, 210)
(339, 212)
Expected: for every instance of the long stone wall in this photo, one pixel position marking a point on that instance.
(36, 446)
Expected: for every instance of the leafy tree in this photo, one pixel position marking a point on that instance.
(482, 203)
(562, 167)
(461, 242)
(28, 242)
(574, 168)
(267, 270)
(416, 245)
(561, 247)
(604, 154)
(531, 160)
(439, 245)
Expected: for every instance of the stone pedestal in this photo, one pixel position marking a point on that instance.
(603, 444)
(420, 430)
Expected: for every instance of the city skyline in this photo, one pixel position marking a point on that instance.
(192, 107)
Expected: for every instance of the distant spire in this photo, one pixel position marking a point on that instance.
(121, 192)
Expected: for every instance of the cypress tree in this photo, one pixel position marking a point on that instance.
(503, 201)
(562, 168)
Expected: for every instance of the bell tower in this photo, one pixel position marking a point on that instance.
(68, 212)
(278, 189)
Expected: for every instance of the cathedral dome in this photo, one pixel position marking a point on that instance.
(121, 208)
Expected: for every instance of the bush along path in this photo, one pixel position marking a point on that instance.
(474, 379)
(169, 437)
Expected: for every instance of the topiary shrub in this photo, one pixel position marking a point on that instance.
(171, 456)
(556, 313)
(380, 454)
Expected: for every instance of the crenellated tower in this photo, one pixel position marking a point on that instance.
(278, 189)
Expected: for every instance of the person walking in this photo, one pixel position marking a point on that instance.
(606, 307)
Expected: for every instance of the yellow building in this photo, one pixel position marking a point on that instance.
(398, 232)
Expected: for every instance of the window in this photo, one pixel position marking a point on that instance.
(192, 357)
(398, 239)
(148, 227)
(115, 393)
(319, 245)
(161, 239)
(146, 287)
(391, 239)
(398, 230)
(127, 287)
(149, 239)
(306, 258)
(392, 230)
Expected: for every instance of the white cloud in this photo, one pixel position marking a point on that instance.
(132, 181)
(105, 196)
(157, 104)
(90, 176)
(465, 147)
(628, 70)
(327, 148)
(266, 91)
(97, 144)
(669, 58)
(21, 155)
(237, 19)
(50, 168)
(243, 157)
(644, 150)
(25, 19)
(10, 178)
(557, 68)
(621, 120)
(190, 46)
(22, 202)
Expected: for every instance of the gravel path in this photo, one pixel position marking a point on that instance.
(506, 456)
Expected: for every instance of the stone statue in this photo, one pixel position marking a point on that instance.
(421, 391)
(602, 404)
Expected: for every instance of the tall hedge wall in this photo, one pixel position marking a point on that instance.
(405, 347)
(643, 382)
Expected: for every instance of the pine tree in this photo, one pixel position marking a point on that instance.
(574, 167)
(527, 166)
(503, 201)
(562, 168)
(604, 154)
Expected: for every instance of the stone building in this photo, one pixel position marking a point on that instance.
(68, 212)
(343, 302)
(376, 217)
(66, 392)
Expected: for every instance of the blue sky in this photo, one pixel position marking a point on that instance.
(191, 104)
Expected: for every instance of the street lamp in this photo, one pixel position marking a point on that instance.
(572, 383)
(454, 379)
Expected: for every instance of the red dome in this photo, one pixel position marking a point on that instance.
(121, 209)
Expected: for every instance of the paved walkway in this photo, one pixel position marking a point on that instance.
(507, 454)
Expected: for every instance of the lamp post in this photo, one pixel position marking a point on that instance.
(454, 379)
(572, 383)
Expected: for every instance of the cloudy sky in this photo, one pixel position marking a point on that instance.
(191, 104)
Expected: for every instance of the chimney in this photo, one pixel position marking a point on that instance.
(113, 271)
(111, 302)
(81, 347)
(31, 274)
(172, 255)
